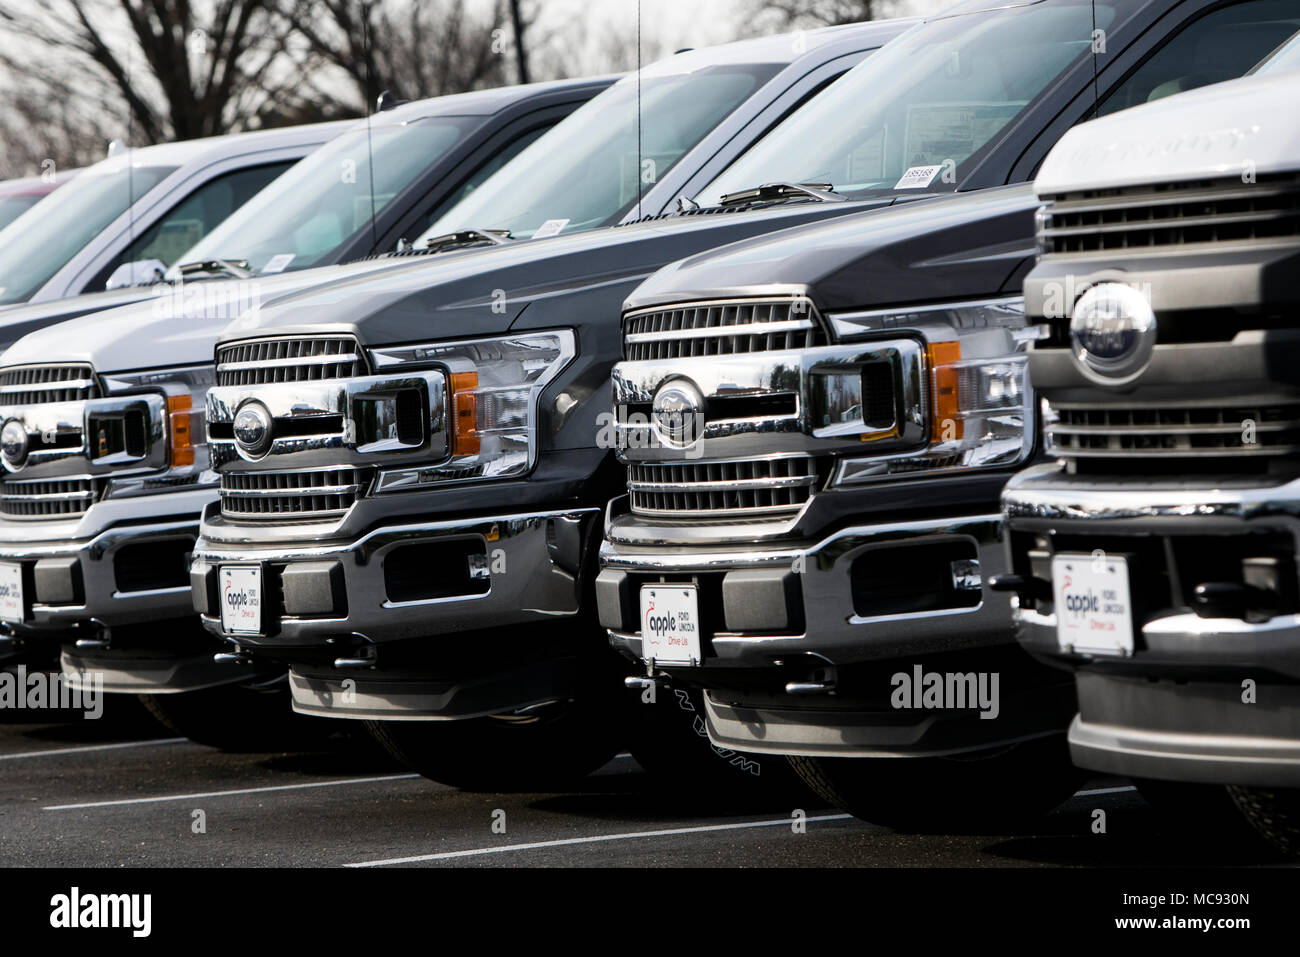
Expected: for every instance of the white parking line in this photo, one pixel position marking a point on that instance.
(1095, 791)
(90, 747)
(597, 838)
(210, 794)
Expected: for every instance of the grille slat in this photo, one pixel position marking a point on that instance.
(38, 385)
(1172, 214)
(757, 487)
(711, 329)
(1176, 431)
(310, 359)
(315, 494)
(49, 498)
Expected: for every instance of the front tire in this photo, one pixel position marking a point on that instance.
(1274, 813)
(999, 787)
(238, 718)
(670, 740)
(541, 749)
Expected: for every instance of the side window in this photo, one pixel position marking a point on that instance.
(1221, 45)
(193, 217)
(481, 175)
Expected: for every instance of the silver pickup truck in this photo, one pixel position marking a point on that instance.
(1156, 558)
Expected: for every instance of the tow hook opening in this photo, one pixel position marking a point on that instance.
(808, 674)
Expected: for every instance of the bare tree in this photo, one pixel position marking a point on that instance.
(518, 25)
(797, 14)
(177, 69)
(416, 48)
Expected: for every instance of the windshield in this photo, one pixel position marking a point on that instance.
(912, 113)
(11, 207)
(590, 169)
(329, 196)
(44, 239)
(1283, 59)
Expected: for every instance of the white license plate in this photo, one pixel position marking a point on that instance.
(670, 623)
(241, 599)
(1093, 612)
(11, 593)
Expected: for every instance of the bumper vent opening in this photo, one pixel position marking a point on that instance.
(430, 571)
(908, 579)
(151, 565)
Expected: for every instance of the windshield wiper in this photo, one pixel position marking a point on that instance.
(496, 237)
(235, 268)
(769, 192)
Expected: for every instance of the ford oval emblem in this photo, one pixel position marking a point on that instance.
(253, 429)
(1112, 333)
(678, 413)
(13, 444)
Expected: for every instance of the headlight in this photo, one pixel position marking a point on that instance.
(493, 387)
(979, 405)
(167, 430)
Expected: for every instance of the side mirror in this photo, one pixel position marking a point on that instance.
(136, 273)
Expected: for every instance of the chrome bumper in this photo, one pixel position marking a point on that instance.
(1038, 500)
(74, 582)
(531, 571)
(1201, 699)
(784, 599)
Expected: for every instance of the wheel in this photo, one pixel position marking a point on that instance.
(542, 748)
(670, 740)
(1003, 786)
(1202, 805)
(1274, 813)
(240, 718)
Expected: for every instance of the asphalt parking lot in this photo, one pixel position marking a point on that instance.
(121, 791)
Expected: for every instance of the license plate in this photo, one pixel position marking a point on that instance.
(1093, 612)
(241, 599)
(670, 623)
(11, 593)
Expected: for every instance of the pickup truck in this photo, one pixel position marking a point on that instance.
(426, 156)
(105, 573)
(130, 215)
(412, 477)
(1156, 557)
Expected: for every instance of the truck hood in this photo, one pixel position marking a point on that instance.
(1226, 129)
(960, 245)
(484, 292)
(159, 326)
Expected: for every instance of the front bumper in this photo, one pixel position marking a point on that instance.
(1206, 695)
(772, 601)
(804, 662)
(510, 570)
(126, 574)
(351, 618)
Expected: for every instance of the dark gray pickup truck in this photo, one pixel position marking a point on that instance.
(412, 478)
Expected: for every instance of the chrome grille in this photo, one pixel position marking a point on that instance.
(721, 329)
(262, 361)
(40, 384)
(1171, 214)
(48, 498)
(1176, 431)
(319, 493)
(748, 487)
